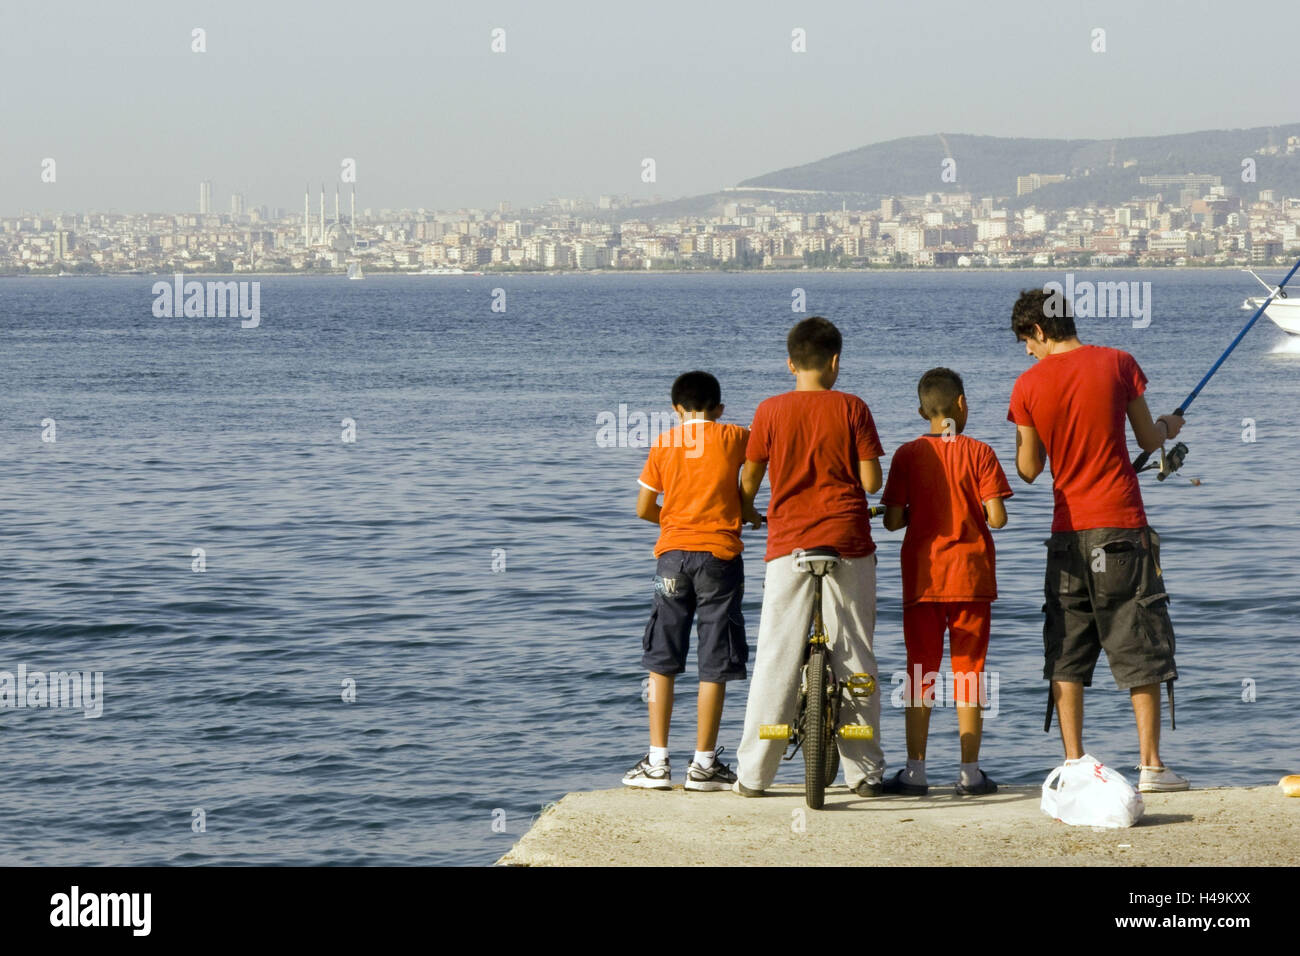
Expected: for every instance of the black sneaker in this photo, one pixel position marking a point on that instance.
(649, 776)
(866, 788)
(716, 777)
(986, 785)
(896, 784)
(744, 791)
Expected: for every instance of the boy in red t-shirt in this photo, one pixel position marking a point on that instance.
(699, 576)
(1104, 586)
(948, 490)
(820, 452)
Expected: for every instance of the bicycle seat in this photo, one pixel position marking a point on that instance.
(816, 560)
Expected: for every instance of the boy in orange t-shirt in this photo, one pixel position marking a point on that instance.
(948, 490)
(700, 576)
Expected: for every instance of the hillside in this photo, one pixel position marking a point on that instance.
(989, 165)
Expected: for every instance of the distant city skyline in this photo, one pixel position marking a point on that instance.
(133, 118)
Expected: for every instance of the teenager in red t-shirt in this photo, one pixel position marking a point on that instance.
(1104, 587)
(821, 454)
(947, 489)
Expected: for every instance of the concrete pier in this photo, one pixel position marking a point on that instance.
(1255, 826)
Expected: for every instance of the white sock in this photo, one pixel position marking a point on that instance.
(704, 758)
(658, 756)
(971, 774)
(915, 772)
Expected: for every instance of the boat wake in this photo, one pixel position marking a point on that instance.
(1288, 346)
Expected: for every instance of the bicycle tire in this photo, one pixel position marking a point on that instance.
(832, 761)
(814, 730)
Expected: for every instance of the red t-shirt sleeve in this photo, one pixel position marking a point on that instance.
(1019, 410)
(895, 493)
(1131, 377)
(651, 477)
(756, 447)
(993, 480)
(865, 437)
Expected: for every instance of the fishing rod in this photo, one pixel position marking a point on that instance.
(1171, 462)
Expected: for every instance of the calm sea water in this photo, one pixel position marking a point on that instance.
(482, 695)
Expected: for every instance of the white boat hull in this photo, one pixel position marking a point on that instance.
(1284, 313)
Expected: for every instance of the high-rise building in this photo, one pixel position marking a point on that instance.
(237, 204)
(205, 197)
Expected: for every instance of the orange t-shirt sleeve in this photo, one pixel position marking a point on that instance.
(651, 476)
(895, 493)
(741, 445)
(992, 479)
(865, 436)
(756, 446)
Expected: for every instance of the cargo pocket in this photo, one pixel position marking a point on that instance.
(649, 630)
(1057, 579)
(1154, 623)
(737, 646)
(1117, 568)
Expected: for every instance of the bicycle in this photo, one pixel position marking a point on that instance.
(817, 715)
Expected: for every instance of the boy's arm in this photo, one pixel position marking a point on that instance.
(870, 475)
(895, 495)
(895, 517)
(996, 512)
(751, 477)
(1150, 434)
(647, 505)
(1031, 456)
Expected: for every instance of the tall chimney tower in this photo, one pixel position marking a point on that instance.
(306, 215)
(337, 220)
(322, 212)
(352, 222)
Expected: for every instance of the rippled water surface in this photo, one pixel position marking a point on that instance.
(481, 695)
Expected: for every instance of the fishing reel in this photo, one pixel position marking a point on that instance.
(1170, 461)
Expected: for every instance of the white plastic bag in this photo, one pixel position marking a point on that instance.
(1087, 793)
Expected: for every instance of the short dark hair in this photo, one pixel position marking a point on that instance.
(1050, 311)
(938, 391)
(813, 343)
(696, 392)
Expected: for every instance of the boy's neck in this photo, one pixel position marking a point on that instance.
(811, 381)
(944, 426)
(1057, 346)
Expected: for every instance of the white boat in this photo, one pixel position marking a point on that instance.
(1283, 311)
(354, 271)
(441, 271)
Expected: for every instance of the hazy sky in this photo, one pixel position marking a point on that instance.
(710, 89)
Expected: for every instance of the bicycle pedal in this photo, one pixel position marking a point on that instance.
(774, 732)
(861, 685)
(857, 732)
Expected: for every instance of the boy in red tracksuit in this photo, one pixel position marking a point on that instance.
(948, 490)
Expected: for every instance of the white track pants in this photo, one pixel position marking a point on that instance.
(849, 611)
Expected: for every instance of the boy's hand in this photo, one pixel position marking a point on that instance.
(749, 515)
(1174, 423)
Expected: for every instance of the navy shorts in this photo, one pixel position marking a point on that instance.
(694, 585)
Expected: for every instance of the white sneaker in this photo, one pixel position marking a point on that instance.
(718, 776)
(649, 776)
(1160, 780)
